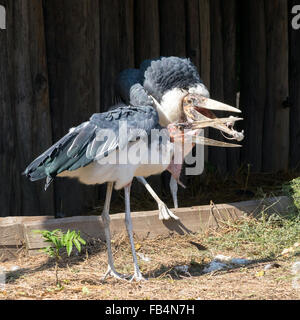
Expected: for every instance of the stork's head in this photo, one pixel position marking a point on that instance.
(197, 110)
(179, 95)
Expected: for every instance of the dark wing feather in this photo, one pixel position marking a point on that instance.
(82, 145)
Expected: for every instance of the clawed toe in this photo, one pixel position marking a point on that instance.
(115, 274)
(138, 278)
(165, 213)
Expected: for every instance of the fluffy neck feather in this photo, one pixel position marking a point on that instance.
(170, 107)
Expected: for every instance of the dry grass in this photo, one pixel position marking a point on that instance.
(261, 240)
(80, 275)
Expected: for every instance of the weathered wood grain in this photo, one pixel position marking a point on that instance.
(294, 90)
(117, 45)
(29, 98)
(10, 195)
(172, 28)
(205, 54)
(217, 156)
(20, 220)
(146, 30)
(229, 29)
(73, 52)
(193, 48)
(147, 224)
(205, 45)
(253, 80)
(276, 119)
(11, 234)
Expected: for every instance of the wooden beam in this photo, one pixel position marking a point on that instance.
(147, 224)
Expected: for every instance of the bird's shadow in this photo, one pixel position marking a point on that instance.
(196, 269)
(177, 226)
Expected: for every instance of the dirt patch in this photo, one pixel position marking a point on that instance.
(81, 274)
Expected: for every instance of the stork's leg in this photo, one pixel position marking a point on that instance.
(111, 271)
(137, 273)
(174, 190)
(164, 212)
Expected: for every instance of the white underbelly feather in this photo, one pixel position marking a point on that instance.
(107, 170)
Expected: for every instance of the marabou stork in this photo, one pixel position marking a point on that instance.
(94, 151)
(163, 83)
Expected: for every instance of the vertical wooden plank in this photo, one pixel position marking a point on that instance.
(294, 89)
(73, 49)
(204, 16)
(28, 84)
(172, 28)
(172, 43)
(193, 32)
(117, 49)
(276, 123)
(10, 195)
(205, 55)
(117, 45)
(253, 80)
(146, 46)
(146, 30)
(217, 156)
(229, 17)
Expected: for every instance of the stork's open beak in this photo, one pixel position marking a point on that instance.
(210, 104)
(198, 112)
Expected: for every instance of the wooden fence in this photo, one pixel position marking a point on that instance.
(59, 60)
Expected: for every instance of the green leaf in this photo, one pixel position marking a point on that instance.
(77, 244)
(69, 247)
(81, 240)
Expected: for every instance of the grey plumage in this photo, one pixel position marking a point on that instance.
(155, 77)
(80, 146)
(129, 88)
(169, 73)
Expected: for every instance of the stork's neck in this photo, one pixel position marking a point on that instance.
(170, 107)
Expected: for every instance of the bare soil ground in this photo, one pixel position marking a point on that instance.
(262, 241)
(80, 275)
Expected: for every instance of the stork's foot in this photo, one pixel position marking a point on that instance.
(138, 277)
(113, 273)
(165, 213)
